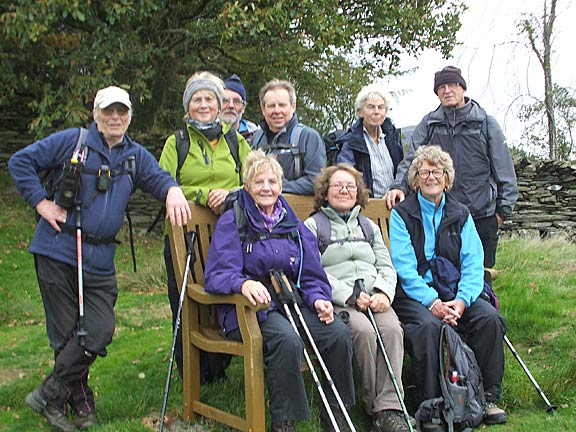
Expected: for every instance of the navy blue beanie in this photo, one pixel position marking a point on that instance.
(234, 83)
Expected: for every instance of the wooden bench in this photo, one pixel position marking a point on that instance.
(200, 329)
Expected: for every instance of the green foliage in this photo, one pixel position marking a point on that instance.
(536, 131)
(55, 54)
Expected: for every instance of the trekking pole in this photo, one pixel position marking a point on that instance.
(81, 319)
(190, 240)
(286, 286)
(361, 288)
(276, 284)
(550, 408)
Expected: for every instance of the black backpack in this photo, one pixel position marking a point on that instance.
(182, 148)
(323, 231)
(332, 146)
(463, 402)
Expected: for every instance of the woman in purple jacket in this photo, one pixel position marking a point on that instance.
(273, 238)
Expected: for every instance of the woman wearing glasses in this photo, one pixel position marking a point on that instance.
(430, 227)
(350, 256)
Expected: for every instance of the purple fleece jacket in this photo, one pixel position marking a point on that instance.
(230, 263)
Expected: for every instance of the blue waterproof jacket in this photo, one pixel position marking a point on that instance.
(103, 212)
(230, 263)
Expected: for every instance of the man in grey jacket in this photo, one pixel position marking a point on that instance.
(298, 148)
(485, 179)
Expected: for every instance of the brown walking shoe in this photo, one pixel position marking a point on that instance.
(389, 421)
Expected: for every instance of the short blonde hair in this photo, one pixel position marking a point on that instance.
(257, 162)
(435, 156)
(322, 182)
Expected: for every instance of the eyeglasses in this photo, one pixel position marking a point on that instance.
(340, 186)
(236, 101)
(447, 87)
(437, 173)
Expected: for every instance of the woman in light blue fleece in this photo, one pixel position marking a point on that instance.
(428, 227)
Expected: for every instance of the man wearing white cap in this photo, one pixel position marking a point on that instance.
(97, 172)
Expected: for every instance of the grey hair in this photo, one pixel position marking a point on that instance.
(435, 156)
(281, 84)
(367, 92)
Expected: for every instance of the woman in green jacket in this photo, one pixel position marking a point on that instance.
(207, 174)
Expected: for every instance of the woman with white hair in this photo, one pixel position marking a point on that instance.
(372, 145)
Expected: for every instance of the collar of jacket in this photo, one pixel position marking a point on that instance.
(286, 223)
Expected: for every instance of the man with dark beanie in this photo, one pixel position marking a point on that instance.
(233, 105)
(485, 179)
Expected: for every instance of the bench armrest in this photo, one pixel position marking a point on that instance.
(199, 295)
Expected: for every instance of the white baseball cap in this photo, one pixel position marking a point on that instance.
(109, 95)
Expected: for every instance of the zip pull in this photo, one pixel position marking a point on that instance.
(454, 377)
(203, 152)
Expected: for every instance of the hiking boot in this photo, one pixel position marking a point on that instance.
(85, 420)
(338, 416)
(283, 426)
(494, 414)
(389, 421)
(432, 427)
(38, 404)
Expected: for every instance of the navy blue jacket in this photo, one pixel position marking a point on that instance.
(103, 212)
(355, 151)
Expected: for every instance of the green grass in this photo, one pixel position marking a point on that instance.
(535, 286)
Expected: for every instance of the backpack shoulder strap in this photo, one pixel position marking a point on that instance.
(444, 357)
(322, 230)
(182, 148)
(82, 137)
(241, 221)
(295, 148)
(367, 228)
(232, 141)
(256, 138)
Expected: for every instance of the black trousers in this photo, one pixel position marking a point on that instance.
(488, 231)
(481, 327)
(283, 356)
(68, 381)
(212, 365)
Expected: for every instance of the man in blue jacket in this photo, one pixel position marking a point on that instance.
(298, 148)
(111, 165)
(485, 180)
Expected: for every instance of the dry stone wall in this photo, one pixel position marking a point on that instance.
(547, 200)
(546, 203)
